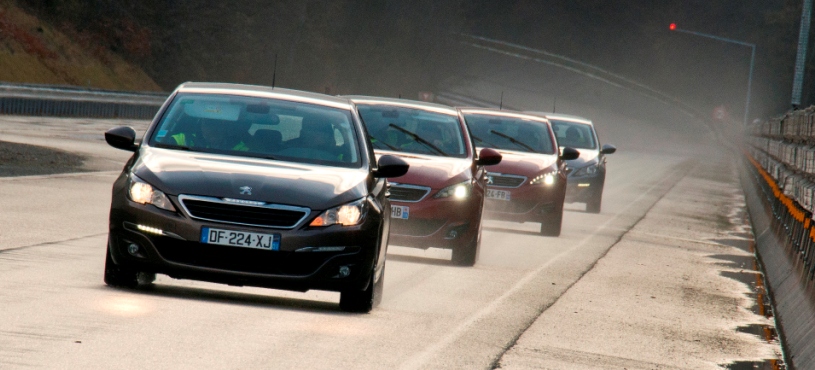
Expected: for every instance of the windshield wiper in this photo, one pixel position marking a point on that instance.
(483, 141)
(381, 142)
(514, 141)
(420, 140)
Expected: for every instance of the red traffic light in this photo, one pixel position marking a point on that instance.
(672, 26)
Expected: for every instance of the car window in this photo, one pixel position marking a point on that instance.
(258, 127)
(574, 134)
(508, 133)
(413, 130)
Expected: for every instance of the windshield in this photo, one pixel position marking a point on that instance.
(258, 127)
(509, 133)
(573, 134)
(413, 130)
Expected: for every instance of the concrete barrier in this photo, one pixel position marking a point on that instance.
(792, 290)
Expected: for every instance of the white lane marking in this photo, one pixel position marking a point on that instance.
(421, 358)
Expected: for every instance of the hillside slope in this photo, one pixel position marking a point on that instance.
(33, 51)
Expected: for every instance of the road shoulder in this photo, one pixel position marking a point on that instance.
(662, 297)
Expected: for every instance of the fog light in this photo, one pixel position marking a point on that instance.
(345, 271)
(452, 234)
(133, 249)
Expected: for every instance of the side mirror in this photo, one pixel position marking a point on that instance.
(608, 149)
(391, 166)
(122, 137)
(488, 157)
(568, 154)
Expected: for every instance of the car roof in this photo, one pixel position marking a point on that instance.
(265, 92)
(435, 107)
(562, 117)
(505, 113)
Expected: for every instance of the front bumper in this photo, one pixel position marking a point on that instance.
(528, 203)
(584, 189)
(438, 223)
(179, 254)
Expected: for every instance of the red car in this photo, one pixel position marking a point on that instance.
(529, 185)
(439, 202)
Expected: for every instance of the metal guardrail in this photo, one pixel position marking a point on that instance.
(781, 153)
(69, 101)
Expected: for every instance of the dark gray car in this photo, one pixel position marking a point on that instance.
(249, 185)
(586, 174)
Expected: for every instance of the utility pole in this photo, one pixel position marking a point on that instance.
(800, 59)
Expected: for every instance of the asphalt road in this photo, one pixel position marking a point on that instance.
(57, 313)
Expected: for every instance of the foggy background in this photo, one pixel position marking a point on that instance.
(399, 47)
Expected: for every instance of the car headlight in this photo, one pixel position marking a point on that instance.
(588, 170)
(350, 214)
(144, 193)
(547, 179)
(459, 191)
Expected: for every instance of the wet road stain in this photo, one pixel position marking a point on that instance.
(764, 365)
(751, 276)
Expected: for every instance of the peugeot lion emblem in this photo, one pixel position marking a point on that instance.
(246, 190)
(489, 180)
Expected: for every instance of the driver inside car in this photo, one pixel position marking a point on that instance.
(212, 134)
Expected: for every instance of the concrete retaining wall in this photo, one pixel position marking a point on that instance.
(792, 291)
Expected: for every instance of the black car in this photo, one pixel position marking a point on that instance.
(256, 186)
(586, 174)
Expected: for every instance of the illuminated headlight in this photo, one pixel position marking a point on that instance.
(347, 215)
(588, 170)
(458, 191)
(546, 179)
(144, 193)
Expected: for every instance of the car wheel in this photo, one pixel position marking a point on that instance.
(593, 205)
(467, 254)
(119, 276)
(552, 226)
(363, 301)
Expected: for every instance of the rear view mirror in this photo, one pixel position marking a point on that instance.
(391, 166)
(488, 157)
(608, 149)
(568, 154)
(122, 137)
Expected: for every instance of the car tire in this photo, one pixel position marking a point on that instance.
(594, 204)
(119, 276)
(363, 301)
(552, 226)
(467, 254)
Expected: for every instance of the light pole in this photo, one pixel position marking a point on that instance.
(752, 60)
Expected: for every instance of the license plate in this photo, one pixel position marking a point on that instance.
(400, 212)
(232, 238)
(498, 194)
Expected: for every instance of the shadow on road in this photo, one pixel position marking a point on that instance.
(512, 231)
(227, 297)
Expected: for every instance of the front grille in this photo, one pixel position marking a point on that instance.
(505, 181)
(240, 259)
(407, 193)
(213, 209)
(418, 227)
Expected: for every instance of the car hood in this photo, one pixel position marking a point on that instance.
(524, 164)
(313, 186)
(433, 171)
(586, 156)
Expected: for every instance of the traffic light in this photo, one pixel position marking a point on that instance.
(672, 27)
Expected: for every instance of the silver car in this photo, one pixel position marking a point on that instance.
(586, 174)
